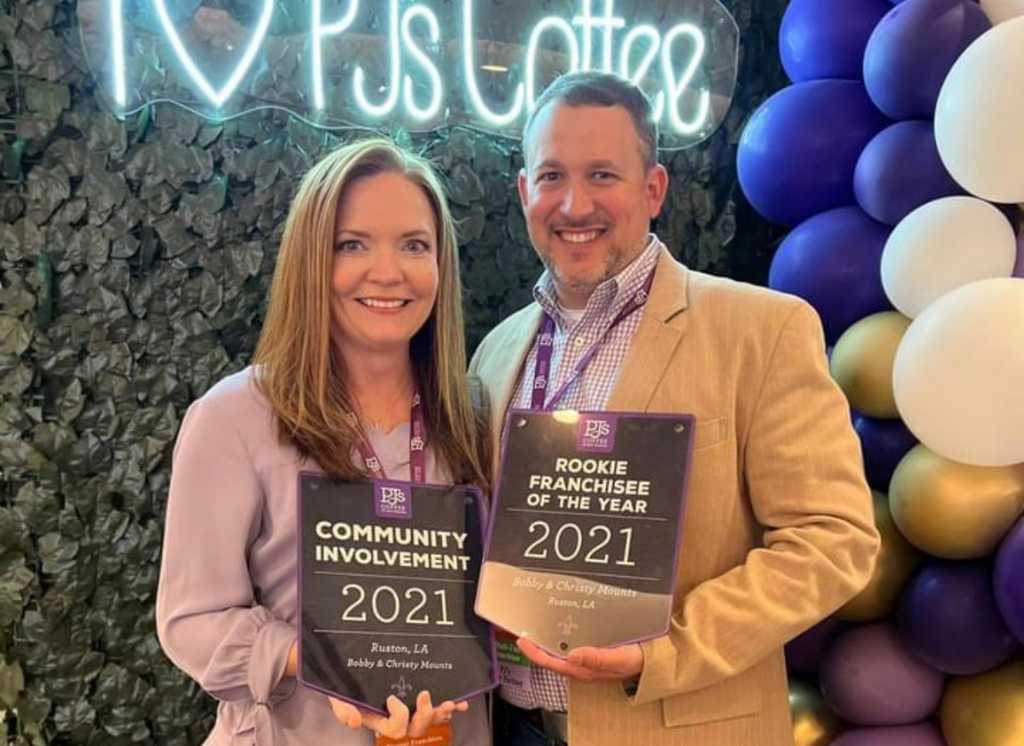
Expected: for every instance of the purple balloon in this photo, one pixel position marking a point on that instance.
(1009, 579)
(805, 653)
(826, 38)
(948, 618)
(899, 171)
(885, 443)
(870, 678)
(833, 261)
(912, 51)
(1018, 271)
(798, 151)
(922, 734)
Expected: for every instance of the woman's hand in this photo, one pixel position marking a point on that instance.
(293, 665)
(398, 723)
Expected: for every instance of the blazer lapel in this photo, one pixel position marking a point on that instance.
(661, 328)
(503, 369)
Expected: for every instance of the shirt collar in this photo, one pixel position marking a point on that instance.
(608, 297)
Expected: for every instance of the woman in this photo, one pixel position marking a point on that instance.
(365, 310)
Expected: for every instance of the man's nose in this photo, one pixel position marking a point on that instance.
(576, 202)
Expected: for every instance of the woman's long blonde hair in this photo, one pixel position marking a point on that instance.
(303, 374)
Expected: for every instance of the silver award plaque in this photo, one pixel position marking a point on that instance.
(584, 538)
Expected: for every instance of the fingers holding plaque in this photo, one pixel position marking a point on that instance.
(388, 576)
(585, 535)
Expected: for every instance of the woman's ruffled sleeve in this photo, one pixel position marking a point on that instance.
(208, 618)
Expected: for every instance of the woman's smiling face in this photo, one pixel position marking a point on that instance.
(385, 274)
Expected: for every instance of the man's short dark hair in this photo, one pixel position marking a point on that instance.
(603, 89)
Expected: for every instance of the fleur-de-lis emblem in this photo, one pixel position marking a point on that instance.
(568, 625)
(540, 382)
(401, 687)
(417, 443)
(641, 296)
(546, 340)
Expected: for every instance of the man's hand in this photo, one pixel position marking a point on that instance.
(589, 664)
(398, 723)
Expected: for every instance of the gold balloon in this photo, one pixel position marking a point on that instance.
(953, 510)
(862, 362)
(897, 561)
(814, 724)
(985, 710)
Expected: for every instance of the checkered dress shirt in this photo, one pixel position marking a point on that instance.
(590, 391)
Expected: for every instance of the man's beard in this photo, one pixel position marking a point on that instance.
(614, 262)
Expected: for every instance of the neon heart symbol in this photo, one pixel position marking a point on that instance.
(217, 97)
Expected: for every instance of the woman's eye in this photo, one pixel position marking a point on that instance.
(417, 247)
(347, 247)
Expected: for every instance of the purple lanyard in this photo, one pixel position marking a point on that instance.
(417, 445)
(546, 347)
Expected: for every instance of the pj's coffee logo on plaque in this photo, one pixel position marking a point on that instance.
(584, 539)
(388, 575)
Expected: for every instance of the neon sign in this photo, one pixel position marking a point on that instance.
(422, 75)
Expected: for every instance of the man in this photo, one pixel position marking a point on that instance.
(778, 530)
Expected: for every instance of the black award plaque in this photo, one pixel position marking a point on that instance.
(388, 574)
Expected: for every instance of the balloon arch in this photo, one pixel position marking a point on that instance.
(897, 158)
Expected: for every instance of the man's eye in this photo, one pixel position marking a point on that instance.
(548, 176)
(603, 175)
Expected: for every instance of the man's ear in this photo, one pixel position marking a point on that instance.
(521, 183)
(657, 188)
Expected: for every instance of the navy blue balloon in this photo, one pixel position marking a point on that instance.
(948, 618)
(798, 152)
(833, 261)
(884, 442)
(912, 51)
(826, 38)
(805, 652)
(900, 170)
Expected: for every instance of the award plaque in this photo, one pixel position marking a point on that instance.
(584, 539)
(387, 576)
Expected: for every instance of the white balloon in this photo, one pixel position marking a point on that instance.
(979, 115)
(958, 378)
(1002, 10)
(942, 245)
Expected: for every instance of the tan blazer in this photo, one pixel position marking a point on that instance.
(778, 531)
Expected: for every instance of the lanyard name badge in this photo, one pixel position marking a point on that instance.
(440, 734)
(513, 665)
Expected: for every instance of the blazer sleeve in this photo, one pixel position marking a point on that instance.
(209, 621)
(803, 471)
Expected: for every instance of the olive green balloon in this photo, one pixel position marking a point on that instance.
(862, 362)
(985, 710)
(897, 561)
(814, 723)
(953, 510)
